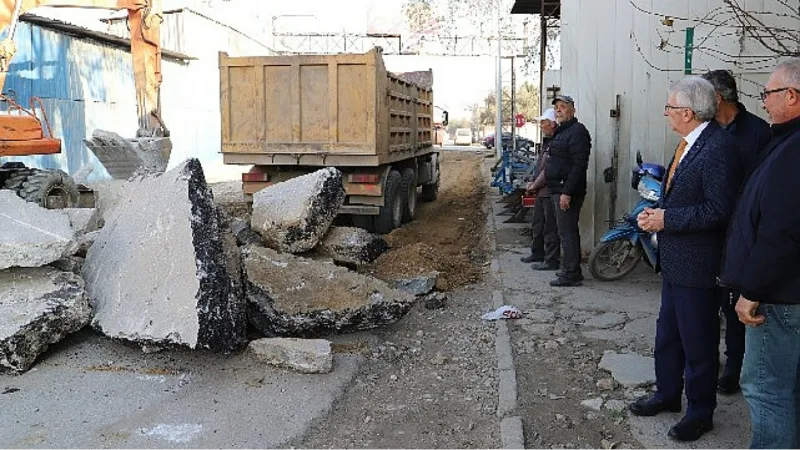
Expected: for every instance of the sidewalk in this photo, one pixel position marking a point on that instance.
(564, 398)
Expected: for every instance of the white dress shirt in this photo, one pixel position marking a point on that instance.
(691, 138)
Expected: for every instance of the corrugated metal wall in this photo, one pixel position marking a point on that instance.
(83, 86)
(612, 47)
(86, 85)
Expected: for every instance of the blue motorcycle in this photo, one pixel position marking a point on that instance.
(625, 244)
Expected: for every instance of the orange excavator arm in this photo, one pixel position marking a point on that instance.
(144, 19)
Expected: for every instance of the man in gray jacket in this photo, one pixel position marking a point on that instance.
(543, 225)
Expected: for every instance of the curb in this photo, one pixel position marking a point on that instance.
(511, 432)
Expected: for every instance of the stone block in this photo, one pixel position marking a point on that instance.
(32, 236)
(38, 307)
(292, 216)
(293, 296)
(156, 273)
(348, 245)
(302, 355)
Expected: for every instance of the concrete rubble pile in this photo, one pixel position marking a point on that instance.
(159, 263)
(39, 305)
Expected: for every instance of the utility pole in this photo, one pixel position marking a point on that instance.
(498, 133)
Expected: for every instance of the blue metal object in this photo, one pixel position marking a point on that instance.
(628, 227)
(510, 171)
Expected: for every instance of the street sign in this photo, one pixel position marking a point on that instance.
(519, 120)
(689, 50)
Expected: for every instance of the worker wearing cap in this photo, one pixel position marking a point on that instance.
(545, 245)
(565, 175)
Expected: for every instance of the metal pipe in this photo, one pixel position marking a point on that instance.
(498, 133)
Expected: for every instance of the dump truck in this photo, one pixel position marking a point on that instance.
(294, 114)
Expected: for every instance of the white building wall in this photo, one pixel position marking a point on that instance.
(611, 47)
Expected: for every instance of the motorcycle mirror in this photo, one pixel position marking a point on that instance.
(639, 160)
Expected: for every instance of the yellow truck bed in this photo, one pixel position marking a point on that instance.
(321, 110)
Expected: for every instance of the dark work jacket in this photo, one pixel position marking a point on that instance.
(753, 134)
(566, 168)
(762, 252)
(539, 183)
(697, 209)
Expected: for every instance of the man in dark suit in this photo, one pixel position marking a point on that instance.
(762, 262)
(698, 197)
(752, 134)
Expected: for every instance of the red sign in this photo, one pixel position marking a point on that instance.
(519, 120)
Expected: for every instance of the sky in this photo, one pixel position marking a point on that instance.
(459, 82)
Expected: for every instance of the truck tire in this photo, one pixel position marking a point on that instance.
(409, 191)
(430, 191)
(52, 189)
(391, 214)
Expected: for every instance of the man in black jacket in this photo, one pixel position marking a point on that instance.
(762, 262)
(752, 134)
(566, 180)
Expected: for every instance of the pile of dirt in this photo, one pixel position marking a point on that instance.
(448, 235)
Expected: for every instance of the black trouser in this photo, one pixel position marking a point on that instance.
(734, 332)
(537, 229)
(569, 234)
(544, 232)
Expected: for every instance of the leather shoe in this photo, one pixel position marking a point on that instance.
(728, 384)
(546, 266)
(650, 406)
(565, 282)
(688, 430)
(531, 259)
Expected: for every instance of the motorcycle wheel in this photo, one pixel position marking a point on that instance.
(613, 260)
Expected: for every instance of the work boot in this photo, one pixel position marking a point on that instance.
(532, 259)
(565, 282)
(544, 265)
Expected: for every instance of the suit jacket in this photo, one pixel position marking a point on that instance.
(698, 207)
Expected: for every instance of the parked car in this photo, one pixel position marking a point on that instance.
(463, 136)
(522, 143)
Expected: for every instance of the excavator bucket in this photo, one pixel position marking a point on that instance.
(124, 158)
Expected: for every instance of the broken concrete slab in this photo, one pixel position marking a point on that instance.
(302, 355)
(38, 307)
(293, 296)
(156, 273)
(292, 216)
(356, 246)
(32, 236)
(606, 320)
(595, 404)
(629, 369)
(436, 300)
(72, 264)
(244, 235)
(419, 285)
(84, 242)
(83, 220)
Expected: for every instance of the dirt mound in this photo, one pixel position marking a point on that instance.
(448, 235)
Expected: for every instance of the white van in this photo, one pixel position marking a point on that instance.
(463, 136)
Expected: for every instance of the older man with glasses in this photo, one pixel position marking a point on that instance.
(699, 194)
(762, 261)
